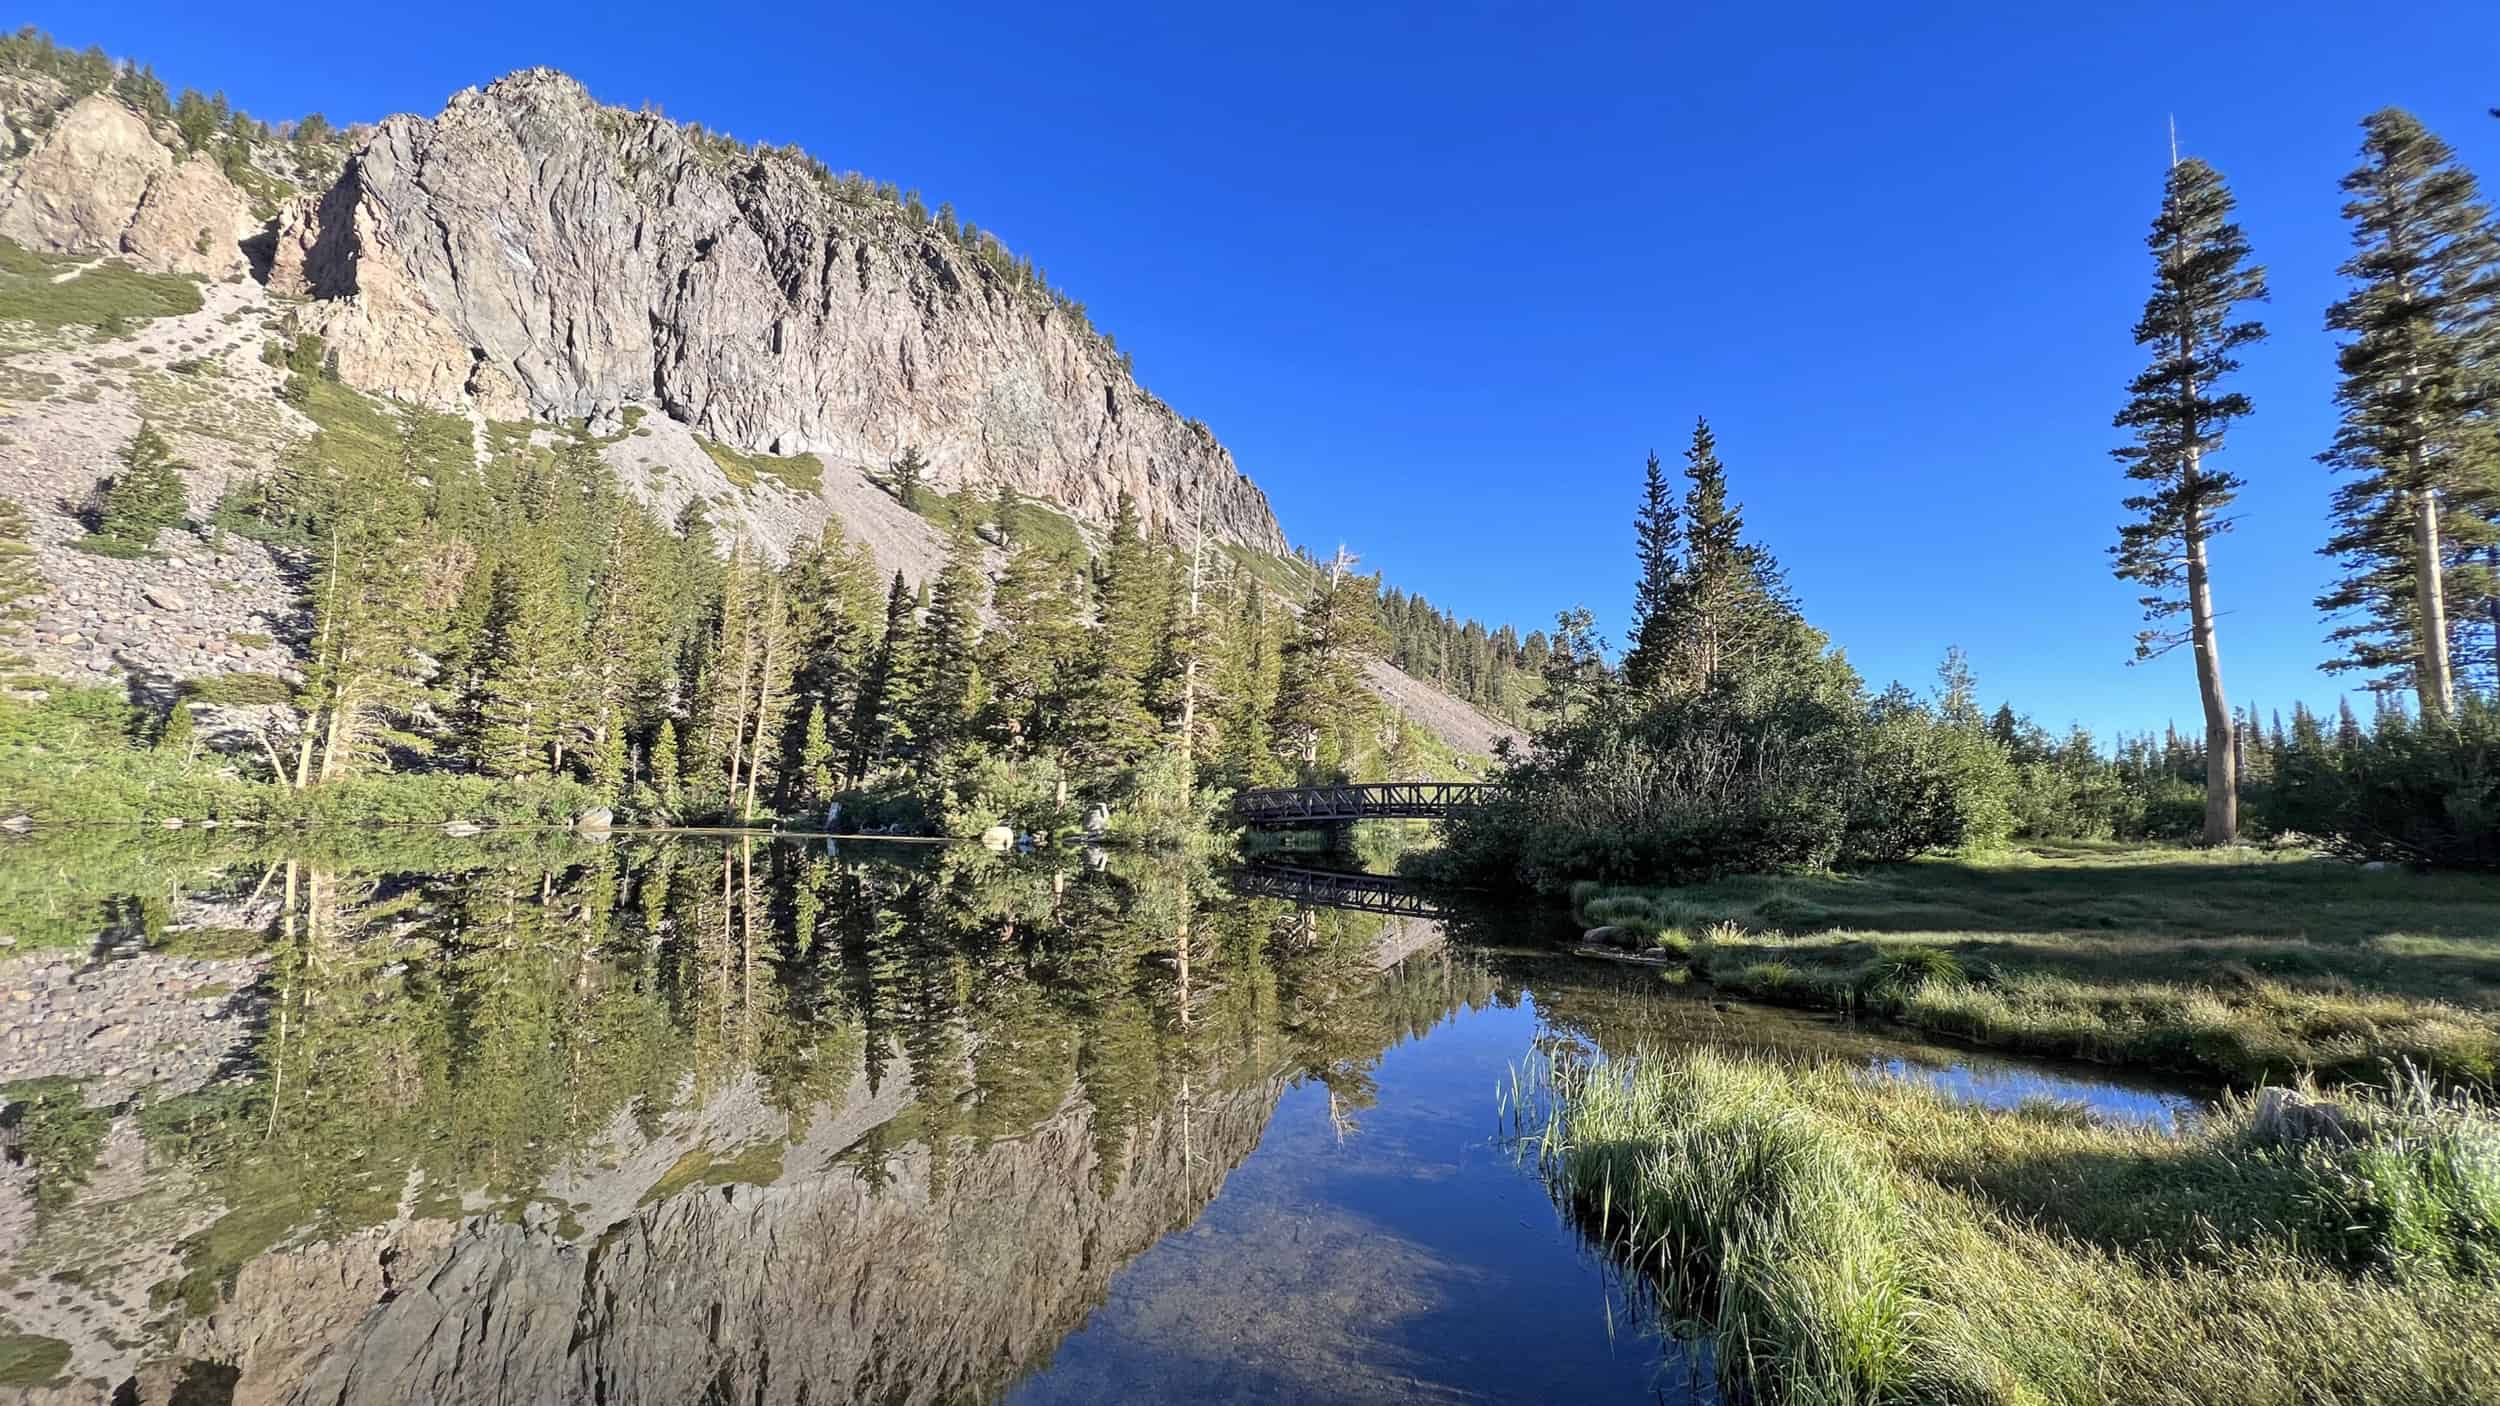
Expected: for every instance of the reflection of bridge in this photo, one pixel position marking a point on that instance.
(1281, 807)
(1330, 888)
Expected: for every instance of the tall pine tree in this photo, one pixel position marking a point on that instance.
(2417, 396)
(1656, 537)
(1727, 609)
(2179, 413)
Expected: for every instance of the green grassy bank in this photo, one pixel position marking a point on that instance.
(2231, 965)
(1841, 1238)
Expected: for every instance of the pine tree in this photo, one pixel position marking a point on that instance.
(527, 693)
(1321, 703)
(948, 675)
(1109, 725)
(815, 762)
(147, 495)
(770, 689)
(2417, 395)
(906, 475)
(1727, 610)
(1033, 655)
(19, 582)
(832, 591)
(667, 769)
(607, 756)
(880, 726)
(2179, 414)
(626, 681)
(724, 690)
(374, 591)
(1248, 758)
(1656, 536)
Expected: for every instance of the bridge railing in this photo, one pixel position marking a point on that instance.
(1375, 800)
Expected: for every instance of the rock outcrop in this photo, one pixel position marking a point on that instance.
(529, 250)
(101, 183)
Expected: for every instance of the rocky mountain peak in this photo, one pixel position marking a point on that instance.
(531, 252)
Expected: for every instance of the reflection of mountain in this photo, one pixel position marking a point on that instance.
(818, 1287)
(701, 1123)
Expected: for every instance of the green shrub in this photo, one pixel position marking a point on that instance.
(2418, 792)
(1021, 795)
(1901, 970)
(1789, 767)
(146, 497)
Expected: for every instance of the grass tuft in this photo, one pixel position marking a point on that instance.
(1841, 1237)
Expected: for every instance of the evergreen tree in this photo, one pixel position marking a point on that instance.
(1728, 609)
(626, 679)
(1656, 536)
(375, 598)
(527, 695)
(880, 725)
(770, 688)
(1322, 706)
(147, 495)
(2417, 396)
(906, 475)
(1109, 725)
(1034, 654)
(667, 769)
(832, 591)
(1249, 694)
(815, 762)
(948, 675)
(2179, 414)
(725, 690)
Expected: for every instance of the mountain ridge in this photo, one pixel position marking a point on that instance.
(530, 254)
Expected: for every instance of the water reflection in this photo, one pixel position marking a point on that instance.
(1997, 1084)
(713, 1121)
(365, 1119)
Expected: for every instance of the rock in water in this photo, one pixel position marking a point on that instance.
(595, 818)
(541, 254)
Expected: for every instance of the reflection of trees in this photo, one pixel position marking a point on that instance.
(472, 1031)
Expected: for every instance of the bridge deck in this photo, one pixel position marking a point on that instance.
(1330, 888)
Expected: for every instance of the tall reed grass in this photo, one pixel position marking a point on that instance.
(1844, 1239)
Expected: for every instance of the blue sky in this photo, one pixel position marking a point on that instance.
(1441, 275)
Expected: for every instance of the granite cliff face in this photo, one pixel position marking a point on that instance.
(533, 252)
(100, 182)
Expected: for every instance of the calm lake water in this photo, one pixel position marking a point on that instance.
(383, 1119)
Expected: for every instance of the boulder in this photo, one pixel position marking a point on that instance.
(998, 837)
(2291, 1118)
(79, 187)
(595, 818)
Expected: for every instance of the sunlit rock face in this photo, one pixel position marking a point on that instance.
(534, 252)
(100, 182)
